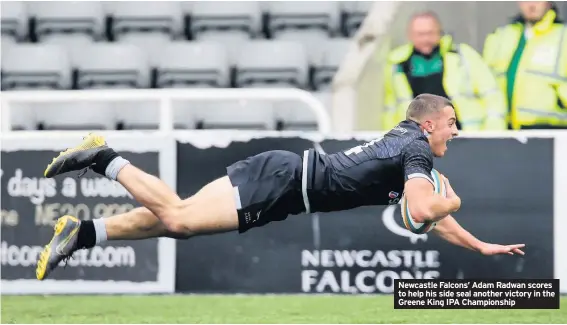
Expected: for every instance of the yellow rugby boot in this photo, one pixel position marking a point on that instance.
(77, 158)
(61, 247)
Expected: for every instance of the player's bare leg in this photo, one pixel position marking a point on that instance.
(211, 210)
(139, 223)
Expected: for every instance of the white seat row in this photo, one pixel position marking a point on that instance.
(169, 16)
(179, 64)
(261, 115)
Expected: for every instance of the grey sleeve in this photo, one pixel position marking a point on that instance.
(417, 160)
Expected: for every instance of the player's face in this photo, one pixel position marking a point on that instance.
(442, 127)
(533, 11)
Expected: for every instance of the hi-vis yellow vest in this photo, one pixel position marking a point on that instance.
(467, 81)
(540, 87)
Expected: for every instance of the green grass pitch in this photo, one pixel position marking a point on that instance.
(249, 309)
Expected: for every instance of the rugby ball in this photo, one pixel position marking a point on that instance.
(417, 227)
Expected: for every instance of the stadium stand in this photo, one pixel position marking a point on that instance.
(309, 23)
(264, 63)
(93, 45)
(112, 65)
(14, 22)
(193, 64)
(35, 66)
(67, 22)
(149, 26)
(231, 23)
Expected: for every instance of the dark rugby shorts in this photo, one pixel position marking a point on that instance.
(267, 187)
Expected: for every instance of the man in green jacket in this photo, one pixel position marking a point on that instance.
(435, 64)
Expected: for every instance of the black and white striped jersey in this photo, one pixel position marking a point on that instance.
(373, 173)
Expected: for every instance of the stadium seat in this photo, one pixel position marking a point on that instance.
(75, 116)
(333, 53)
(187, 7)
(164, 17)
(304, 15)
(6, 42)
(111, 65)
(226, 22)
(222, 16)
(141, 115)
(233, 41)
(14, 20)
(248, 115)
(183, 114)
(294, 115)
(312, 40)
(272, 64)
(35, 66)
(193, 64)
(22, 118)
(73, 44)
(353, 14)
(74, 19)
(149, 26)
(152, 44)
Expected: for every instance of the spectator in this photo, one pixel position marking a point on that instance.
(529, 59)
(433, 63)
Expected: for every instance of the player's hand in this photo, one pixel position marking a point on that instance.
(451, 193)
(495, 249)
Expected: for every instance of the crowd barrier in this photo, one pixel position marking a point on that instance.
(511, 185)
(165, 100)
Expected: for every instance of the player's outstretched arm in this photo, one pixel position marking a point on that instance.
(425, 204)
(450, 230)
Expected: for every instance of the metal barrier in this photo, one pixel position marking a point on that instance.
(164, 98)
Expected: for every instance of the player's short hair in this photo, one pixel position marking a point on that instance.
(426, 104)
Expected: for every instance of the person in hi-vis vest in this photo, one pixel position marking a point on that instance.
(433, 63)
(529, 59)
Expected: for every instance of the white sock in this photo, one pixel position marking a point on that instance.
(115, 166)
(100, 230)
